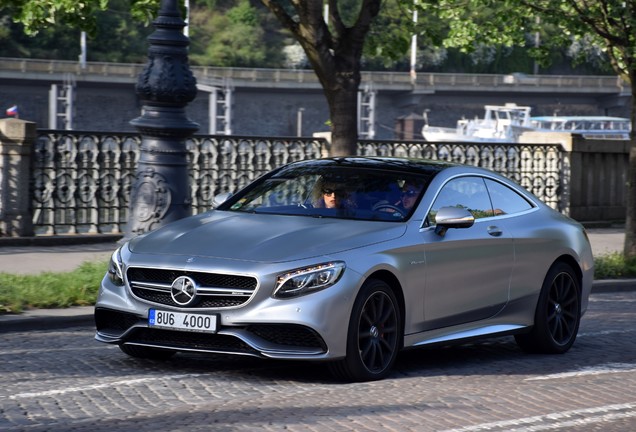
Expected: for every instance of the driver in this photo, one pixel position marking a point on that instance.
(409, 193)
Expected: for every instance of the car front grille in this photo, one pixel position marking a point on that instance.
(289, 335)
(214, 290)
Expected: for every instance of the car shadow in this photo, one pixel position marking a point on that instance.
(499, 356)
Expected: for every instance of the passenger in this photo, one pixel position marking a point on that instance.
(332, 195)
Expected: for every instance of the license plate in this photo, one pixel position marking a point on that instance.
(182, 321)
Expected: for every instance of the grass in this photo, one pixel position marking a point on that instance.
(50, 289)
(79, 287)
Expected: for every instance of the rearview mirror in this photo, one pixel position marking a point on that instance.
(220, 199)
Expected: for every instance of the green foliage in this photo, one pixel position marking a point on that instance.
(549, 32)
(243, 14)
(119, 37)
(144, 11)
(116, 38)
(614, 266)
(463, 36)
(35, 15)
(607, 24)
(234, 37)
(51, 290)
(389, 38)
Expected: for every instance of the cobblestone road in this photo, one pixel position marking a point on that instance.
(61, 380)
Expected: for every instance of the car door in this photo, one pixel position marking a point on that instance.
(468, 270)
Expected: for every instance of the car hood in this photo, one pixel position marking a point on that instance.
(262, 238)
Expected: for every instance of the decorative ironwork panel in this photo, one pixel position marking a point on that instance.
(221, 163)
(81, 181)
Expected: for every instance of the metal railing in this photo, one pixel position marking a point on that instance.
(303, 77)
(81, 181)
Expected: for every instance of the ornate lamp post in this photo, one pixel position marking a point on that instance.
(161, 191)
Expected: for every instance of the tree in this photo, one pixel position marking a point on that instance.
(334, 50)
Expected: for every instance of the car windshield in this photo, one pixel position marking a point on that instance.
(333, 191)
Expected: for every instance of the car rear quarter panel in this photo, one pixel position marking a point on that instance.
(541, 238)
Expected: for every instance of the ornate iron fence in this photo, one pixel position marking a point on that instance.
(81, 180)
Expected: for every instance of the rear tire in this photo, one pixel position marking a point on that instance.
(146, 352)
(558, 313)
(374, 335)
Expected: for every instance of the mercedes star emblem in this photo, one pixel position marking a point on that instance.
(183, 290)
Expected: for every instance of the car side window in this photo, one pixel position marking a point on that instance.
(464, 192)
(505, 200)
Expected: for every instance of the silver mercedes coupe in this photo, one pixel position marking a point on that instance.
(350, 260)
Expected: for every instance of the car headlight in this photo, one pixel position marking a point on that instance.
(115, 272)
(308, 279)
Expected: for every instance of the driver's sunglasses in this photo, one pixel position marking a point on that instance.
(410, 193)
(339, 192)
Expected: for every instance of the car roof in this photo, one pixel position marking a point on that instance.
(425, 167)
(419, 166)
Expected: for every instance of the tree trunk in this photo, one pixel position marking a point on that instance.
(343, 110)
(630, 217)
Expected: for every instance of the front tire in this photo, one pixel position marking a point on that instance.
(374, 334)
(558, 313)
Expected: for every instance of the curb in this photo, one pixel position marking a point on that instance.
(47, 319)
(53, 319)
(613, 285)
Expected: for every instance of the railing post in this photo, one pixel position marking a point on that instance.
(17, 138)
(161, 191)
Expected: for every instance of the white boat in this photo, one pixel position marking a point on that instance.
(506, 123)
(591, 127)
(501, 123)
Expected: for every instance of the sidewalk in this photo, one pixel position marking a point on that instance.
(35, 258)
(53, 254)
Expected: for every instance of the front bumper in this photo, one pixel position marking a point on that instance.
(312, 326)
(281, 341)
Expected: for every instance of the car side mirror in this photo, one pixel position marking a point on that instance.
(220, 199)
(452, 217)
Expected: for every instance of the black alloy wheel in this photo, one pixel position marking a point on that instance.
(558, 313)
(374, 334)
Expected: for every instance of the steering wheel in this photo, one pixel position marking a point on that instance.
(389, 208)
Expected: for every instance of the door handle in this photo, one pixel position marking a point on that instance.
(494, 231)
